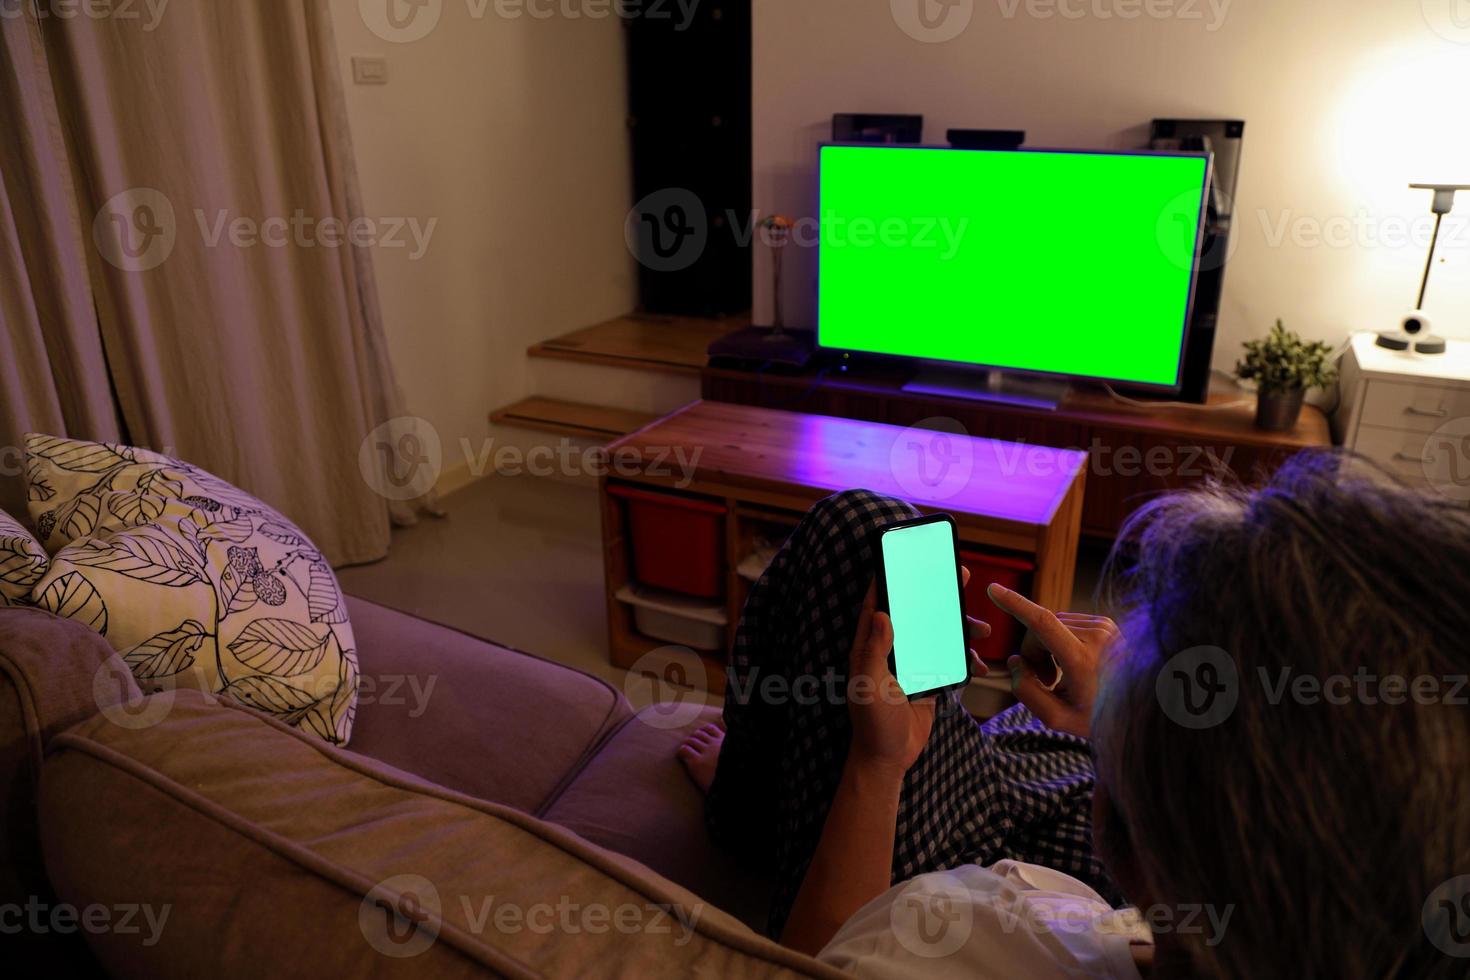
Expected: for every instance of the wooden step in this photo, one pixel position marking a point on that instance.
(643, 341)
(599, 423)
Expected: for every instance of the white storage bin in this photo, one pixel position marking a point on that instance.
(694, 623)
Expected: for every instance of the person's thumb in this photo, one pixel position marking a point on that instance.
(874, 660)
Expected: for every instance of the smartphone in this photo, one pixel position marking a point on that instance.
(920, 587)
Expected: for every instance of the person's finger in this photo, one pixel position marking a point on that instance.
(978, 628)
(1052, 632)
(1030, 691)
(964, 575)
(978, 667)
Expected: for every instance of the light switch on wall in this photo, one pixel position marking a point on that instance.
(369, 70)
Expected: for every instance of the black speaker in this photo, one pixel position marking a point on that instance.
(1222, 137)
(691, 225)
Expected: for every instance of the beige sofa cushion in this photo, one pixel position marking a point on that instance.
(195, 582)
(22, 561)
(265, 847)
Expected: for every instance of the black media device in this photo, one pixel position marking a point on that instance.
(986, 139)
(1223, 138)
(874, 127)
(920, 587)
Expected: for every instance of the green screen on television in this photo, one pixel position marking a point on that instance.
(1055, 262)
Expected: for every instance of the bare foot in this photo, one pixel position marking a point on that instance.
(700, 754)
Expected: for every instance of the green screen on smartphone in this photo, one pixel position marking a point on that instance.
(919, 571)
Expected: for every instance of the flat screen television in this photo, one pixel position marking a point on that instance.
(1074, 263)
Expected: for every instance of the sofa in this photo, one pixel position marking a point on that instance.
(494, 815)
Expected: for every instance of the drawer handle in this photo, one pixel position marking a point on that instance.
(1431, 413)
(1410, 458)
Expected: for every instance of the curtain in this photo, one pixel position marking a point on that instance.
(214, 171)
(53, 376)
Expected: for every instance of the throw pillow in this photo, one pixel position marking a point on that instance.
(195, 582)
(22, 561)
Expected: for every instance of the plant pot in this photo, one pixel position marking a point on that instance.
(1277, 411)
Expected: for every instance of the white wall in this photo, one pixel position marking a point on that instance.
(510, 131)
(1345, 102)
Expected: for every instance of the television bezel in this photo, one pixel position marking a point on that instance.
(1128, 384)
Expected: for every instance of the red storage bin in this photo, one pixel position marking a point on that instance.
(1013, 573)
(678, 543)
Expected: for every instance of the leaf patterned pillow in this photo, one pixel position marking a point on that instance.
(22, 561)
(195, 582)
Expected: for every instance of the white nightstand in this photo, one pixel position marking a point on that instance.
(1410, 414)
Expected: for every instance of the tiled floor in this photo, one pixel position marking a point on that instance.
(519, 561)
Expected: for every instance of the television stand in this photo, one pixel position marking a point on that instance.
(996, 387)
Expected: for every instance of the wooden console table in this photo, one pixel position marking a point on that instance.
(768, 467)
(1135, 452)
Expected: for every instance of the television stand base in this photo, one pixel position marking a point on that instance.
(990, 386)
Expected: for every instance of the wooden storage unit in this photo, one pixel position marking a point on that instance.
(767, 468)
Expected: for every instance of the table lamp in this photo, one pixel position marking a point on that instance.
(1414, 329)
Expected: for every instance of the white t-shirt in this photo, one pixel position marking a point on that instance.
(1009, 920)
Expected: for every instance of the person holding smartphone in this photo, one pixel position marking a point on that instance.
(1261, 830)
(961, 792)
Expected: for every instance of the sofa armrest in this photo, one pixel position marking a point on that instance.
(249, 845)
(472, 716)
(54, 673)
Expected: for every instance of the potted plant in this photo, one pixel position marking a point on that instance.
(1284, 368)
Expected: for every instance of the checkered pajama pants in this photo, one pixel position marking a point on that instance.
(1008, 788)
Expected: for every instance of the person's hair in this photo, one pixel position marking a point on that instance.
(1324, 828)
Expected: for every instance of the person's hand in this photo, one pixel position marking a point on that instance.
(1072, 643)
(888, 730)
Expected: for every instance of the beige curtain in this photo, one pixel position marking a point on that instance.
(216, 183)
(53, 377)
